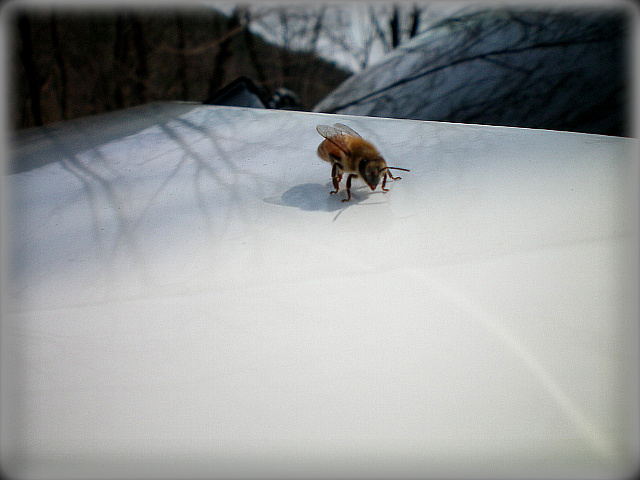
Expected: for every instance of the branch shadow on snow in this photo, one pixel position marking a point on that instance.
(33, 148)
(313, 197)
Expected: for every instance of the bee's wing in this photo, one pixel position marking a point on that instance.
(327, 132)
(348, 130)
(334, 135)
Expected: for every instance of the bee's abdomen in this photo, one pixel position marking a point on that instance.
(328, 152)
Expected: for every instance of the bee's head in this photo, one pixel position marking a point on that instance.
(371, 170)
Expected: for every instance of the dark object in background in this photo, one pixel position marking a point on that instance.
(244, 92)
(284, 99)
(556, 68)
(241, 92)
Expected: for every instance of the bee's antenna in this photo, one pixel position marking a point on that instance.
(398, 168)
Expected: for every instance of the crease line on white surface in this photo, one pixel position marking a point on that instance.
(594, 437)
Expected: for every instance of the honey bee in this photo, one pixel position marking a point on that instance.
(348, 152)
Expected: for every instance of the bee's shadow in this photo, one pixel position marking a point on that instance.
(316, 197)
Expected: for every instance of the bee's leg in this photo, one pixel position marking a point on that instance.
(336, 184)
(336, 178)
(349, 187)
(384, 182)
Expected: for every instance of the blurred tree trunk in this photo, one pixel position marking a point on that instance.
(318, 25)
(379, 31)
(224, 54)
(31, 73)
(285, 52)
(308, 70)
(394, 26)
(415, 21)
(119, 58)
(142, 70)
(182, 58)
(62, 68)
(251, 48)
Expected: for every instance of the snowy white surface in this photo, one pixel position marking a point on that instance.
(183, 297)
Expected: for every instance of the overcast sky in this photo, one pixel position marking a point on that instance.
(354, 13)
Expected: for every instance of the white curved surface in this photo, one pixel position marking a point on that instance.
(185, 298)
